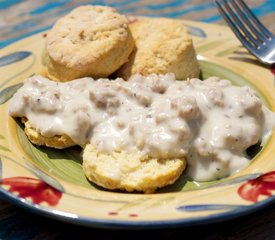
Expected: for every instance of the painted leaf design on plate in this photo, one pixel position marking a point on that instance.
(44, 177)
(228, 51)
(14, 57)
(208, 207)
(36, 189)
(4, 149)
(209, 46)
(8, 92)
(195, 31)
(262, 185)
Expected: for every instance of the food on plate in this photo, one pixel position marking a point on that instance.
(137, 134)
(161, 46)
(90, 41)
(97, 41)
(57, 141)
(131, 171)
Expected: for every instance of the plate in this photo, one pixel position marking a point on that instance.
(51, 182)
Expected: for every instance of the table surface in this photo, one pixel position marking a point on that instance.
(19, 19)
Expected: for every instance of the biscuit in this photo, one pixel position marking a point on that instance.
(130, 172)
(90, 41)
(58, 141)
(161, 46)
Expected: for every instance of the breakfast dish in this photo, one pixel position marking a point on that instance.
(90, 41)
(141, 131)
(138, 134)
(161, 46)
(52, 182)
(94, 41)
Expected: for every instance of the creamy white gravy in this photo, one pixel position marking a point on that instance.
(211, 123)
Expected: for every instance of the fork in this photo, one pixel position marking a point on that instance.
(254, 36)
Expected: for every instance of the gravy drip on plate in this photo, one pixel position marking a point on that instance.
(211, 123)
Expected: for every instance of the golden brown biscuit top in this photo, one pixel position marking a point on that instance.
(161, 46)
(85, 33)
(158, 30)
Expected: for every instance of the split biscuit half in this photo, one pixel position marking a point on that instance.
(130, 172)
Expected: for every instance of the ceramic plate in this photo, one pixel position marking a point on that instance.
(51, 182)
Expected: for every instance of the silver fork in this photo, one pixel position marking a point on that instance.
(250, 31)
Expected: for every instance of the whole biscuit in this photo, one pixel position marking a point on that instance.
(130, 172)
(58, 141)
(90, 41)
(161, 46)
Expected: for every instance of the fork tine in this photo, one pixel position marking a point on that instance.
(238, 24)
(242, 12)
(255, 20)
(233, 26)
